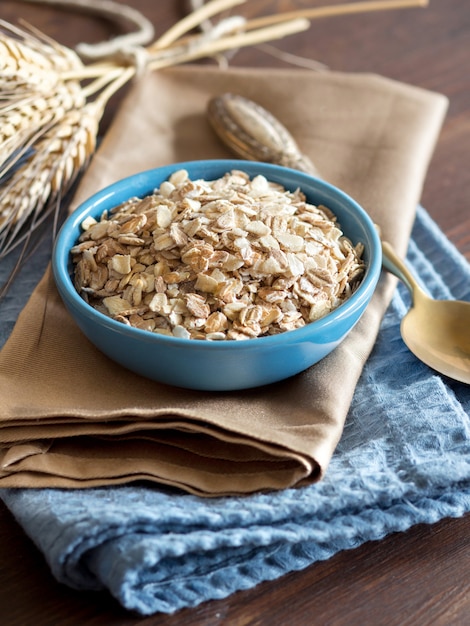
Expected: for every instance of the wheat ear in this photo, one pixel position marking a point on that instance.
(21, 119)
(47, 174)
(27, 52)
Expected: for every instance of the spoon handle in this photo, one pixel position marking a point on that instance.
(396, 266)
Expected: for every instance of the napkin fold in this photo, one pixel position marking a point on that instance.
(403, 459)
(71, 418)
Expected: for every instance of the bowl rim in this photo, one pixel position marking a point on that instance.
(91, 206)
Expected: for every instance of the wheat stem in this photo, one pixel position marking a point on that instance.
(210, 48)
(335, 10)
(113, 87)
(192, 20)
(101, 80)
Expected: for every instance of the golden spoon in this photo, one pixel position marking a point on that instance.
(436, 331)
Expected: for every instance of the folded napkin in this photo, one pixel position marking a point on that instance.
(71, 418)
(404, 459)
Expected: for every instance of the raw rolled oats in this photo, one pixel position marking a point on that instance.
(232, 258)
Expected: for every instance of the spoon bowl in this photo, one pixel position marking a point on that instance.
(435, 331)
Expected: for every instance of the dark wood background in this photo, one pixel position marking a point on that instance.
(417, 578)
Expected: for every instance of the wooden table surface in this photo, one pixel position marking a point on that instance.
(420, 577)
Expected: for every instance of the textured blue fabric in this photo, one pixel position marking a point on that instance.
(404, 459)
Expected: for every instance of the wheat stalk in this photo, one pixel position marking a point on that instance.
(34, 193)
(48, 173)
(36, 105)
(21, 119)
(32, 93)
(25, 53)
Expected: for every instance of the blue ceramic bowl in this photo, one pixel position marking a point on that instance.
(219, 365)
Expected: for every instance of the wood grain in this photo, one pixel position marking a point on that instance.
(415, 578)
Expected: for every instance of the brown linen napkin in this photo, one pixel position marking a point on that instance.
(69, 417)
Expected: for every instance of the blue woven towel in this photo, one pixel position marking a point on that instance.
(404, 459)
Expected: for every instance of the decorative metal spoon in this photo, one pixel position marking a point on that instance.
(436, 331)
